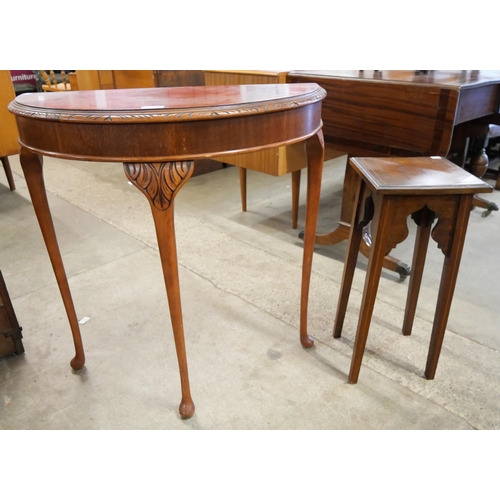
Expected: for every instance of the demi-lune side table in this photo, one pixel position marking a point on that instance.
(157, 133)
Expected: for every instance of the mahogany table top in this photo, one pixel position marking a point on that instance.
(166, 123)
(173, 103)
(429, 176)
(441, 78)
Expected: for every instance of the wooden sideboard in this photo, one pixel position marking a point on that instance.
(244, 76)
(275, 161)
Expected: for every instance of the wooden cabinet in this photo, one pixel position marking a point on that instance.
(275, 161)
(244, 77)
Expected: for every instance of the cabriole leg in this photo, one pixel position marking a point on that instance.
(315, 149)
(33, 173)
(160, 182)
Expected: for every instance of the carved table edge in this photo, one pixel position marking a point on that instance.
(168, 115)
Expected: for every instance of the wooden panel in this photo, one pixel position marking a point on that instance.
(477, 102)
(106, 79)
(243, 77)
(73, 81)
(134, 79)
(180, 78)
(386, 117)
(276, 161)
(88, 79)
(115, 79)
(271, 161)
(9, 144)
(262, 161)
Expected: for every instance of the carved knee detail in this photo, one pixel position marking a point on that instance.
(160, 182)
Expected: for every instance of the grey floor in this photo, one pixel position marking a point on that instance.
(240, 286)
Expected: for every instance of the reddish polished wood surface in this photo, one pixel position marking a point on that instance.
(404, 113)
(157, 133)
(176, 119)
(433, 175)
(401, 113)
(166, 100)
(413, 111)
(389, 190)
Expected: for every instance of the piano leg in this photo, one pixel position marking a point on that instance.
(479, 165)
(469, 142)
(342, 231)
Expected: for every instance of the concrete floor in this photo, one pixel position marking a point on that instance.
(240, 286)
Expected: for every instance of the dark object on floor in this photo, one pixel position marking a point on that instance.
(10, 331)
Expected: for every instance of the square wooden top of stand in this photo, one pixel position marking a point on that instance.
(420, 175)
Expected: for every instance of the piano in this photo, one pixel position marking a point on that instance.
(402, 113)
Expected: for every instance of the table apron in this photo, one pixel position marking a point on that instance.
(163, 141)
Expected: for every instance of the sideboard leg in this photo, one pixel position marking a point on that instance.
(295, 197)
(33, 172)
(243, 188)
(160, 182)
(8, 172)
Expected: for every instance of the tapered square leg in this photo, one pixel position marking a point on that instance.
(243, 187)
(424, 221)
(447, 285)
(355, 236)
(295, 197)
(381, 225)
